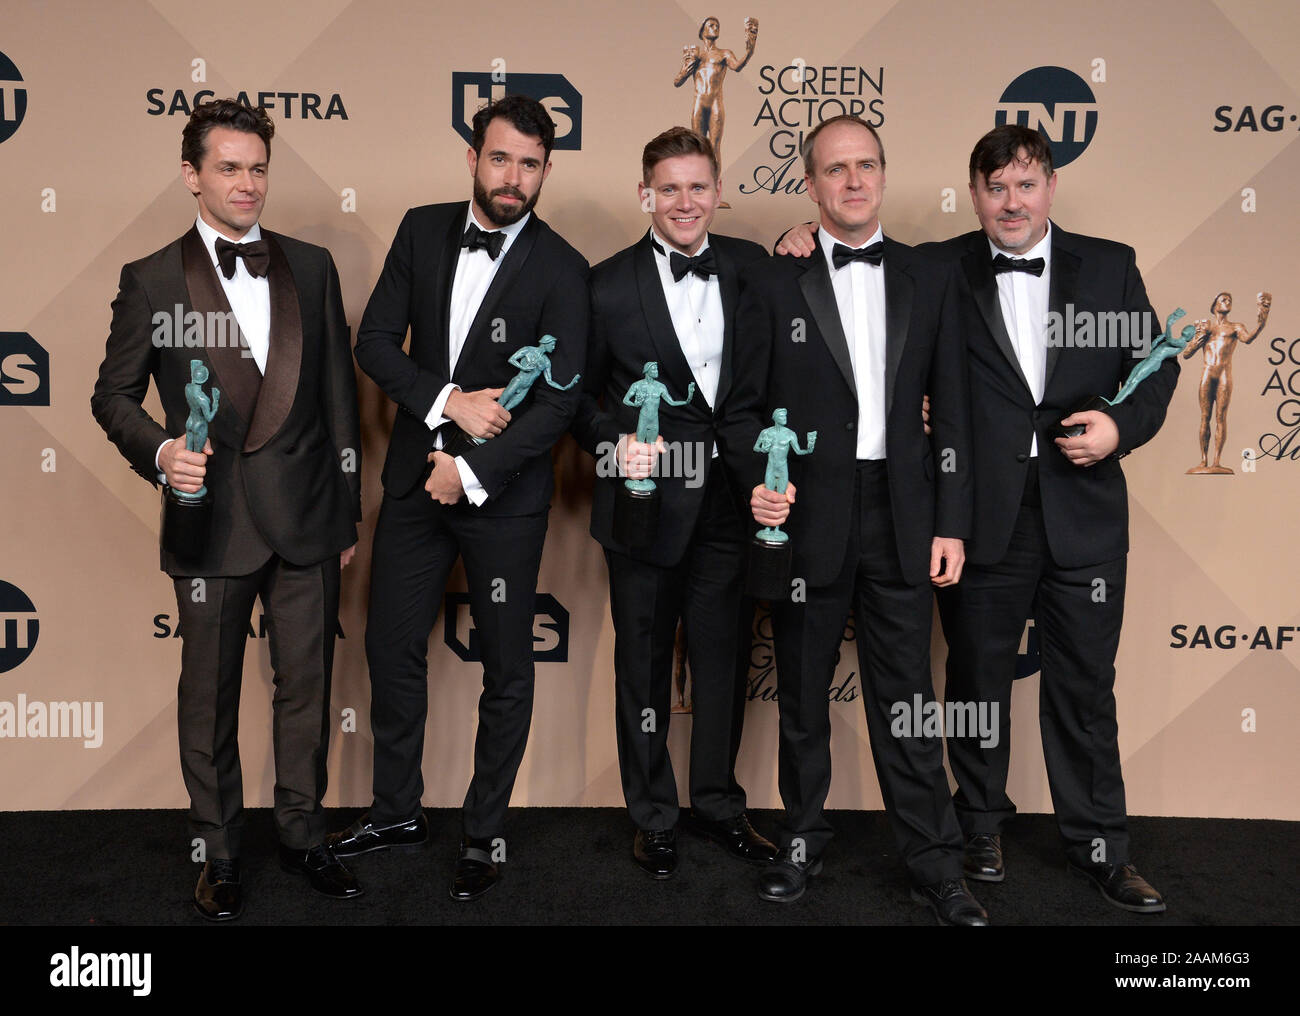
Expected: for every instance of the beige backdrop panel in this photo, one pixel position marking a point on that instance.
(92, 181)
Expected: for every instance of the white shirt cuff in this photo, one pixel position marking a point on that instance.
(473, 489)
(162, 477)
(435, 419)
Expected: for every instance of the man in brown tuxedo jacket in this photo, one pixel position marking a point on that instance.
(282, 463)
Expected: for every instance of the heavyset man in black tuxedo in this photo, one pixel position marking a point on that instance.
(282, 463)
(1050, 534)
(473, 281)
(671, 298)
(848, 342)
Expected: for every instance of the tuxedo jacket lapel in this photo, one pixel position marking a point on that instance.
(978, 266)
(279, 385)
(233, 372)
(898, 315)
(1062, 290)
(729, 281)
(654, 307)
(446, 275)
(513, 261)
(815, 284)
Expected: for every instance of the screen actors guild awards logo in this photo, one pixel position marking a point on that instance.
(707, 69)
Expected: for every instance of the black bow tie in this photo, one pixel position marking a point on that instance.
(872, 255)
(702, 265)
(1034, 266)
(256, 255)
(482, 239)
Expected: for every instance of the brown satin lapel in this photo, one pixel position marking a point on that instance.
(235, 374)
(284, 358)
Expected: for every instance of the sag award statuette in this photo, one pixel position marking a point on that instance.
(1166, 347)
(770, 552)
(186, 518)
(636, 506)
(533, 362)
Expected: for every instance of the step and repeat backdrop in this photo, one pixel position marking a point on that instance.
(1175, 127)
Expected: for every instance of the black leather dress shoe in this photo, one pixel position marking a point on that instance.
(738, 836)
(475, 872)
(218, 896)
(326, 872)
(784, 880)
(952, 903)
(656, 851)
(1123, 887)
(983, 859)
(363, 836)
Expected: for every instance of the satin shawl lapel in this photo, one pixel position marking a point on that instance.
(978, 266)
(231, 370)
(654, 308)
(284, 357)
(505, 277)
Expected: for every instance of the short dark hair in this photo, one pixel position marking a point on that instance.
(1003, 145)
(673, 142)
(527, 116)
(231, 113)
(806, 149)
(700, 34)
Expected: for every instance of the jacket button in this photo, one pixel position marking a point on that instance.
(1037, 414)
(1022, 457)
(848, 426)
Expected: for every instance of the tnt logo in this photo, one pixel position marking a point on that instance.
(13, 98)
(1058, 104)
(19, 626)
(472, 90)
(550, 630)
(24, 371)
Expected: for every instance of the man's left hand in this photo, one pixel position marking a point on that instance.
(443, 483)
(950, 555)
(1097, 442)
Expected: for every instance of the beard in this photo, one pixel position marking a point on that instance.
(502, 215)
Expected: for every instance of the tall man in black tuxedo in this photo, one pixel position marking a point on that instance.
(473, 281)
(849, 343)
(282, 463)
(671, 298)
(1050, 534)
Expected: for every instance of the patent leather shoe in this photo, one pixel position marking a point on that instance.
(363, 836)
(982, 860)
(326, 873)
(219, 896)
(738, 836)
(655, 850)
(476, 872)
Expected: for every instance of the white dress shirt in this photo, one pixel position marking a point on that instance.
(475, 270)
(1024, 311)
(695, 306)
(860, 297)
